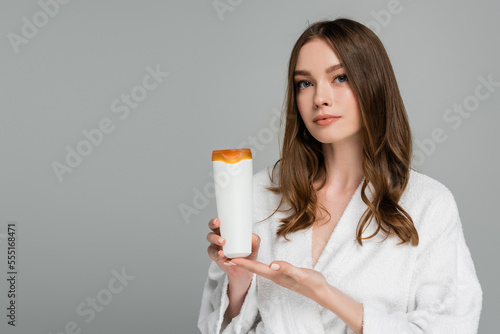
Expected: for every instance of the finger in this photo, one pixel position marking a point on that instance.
(287, 270)
(255, 239)
(282, 267)
(215, 239)
(254, 266)
(214, 225)
(214, 252)
(255, 247)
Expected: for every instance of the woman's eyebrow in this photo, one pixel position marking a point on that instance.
(328, 70)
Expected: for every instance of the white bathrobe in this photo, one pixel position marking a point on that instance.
(431, 288)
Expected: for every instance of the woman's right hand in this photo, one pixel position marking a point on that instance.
(216, 253)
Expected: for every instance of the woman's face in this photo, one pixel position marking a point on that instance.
(325, 99)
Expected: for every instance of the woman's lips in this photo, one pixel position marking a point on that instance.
(325, 119)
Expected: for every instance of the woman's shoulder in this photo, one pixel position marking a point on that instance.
(265, 201)
(421, 191)
(434, 211)
(264, 177)
(425, 188)
(263, 181)
(420, 186)
(432, 202)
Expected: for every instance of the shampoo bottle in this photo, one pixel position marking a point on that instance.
(233, 177)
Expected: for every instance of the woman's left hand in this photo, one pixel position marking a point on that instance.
(307, 282)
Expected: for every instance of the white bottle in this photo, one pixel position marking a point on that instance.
(233, 177)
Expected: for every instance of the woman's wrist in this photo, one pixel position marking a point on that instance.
(345, 307)
(241, 282)
(236, 291)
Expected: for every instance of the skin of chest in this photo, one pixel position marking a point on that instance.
(324, 226)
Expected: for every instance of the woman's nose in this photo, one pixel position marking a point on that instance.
(322, 95)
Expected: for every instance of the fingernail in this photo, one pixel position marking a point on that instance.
(255, 238)
(275, 266)
(221, 240)
(229, 263)
(219, 254)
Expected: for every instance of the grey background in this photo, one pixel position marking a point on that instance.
(120, 208)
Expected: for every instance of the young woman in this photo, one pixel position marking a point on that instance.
(348, 238)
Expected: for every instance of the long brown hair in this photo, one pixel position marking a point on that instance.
(385, 133)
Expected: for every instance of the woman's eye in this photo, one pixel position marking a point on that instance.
(340, 78)
(303, 84)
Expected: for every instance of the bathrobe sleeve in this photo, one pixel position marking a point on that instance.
(445, 294)
(215, 302)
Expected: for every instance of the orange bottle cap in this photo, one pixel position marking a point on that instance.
(232, 156)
